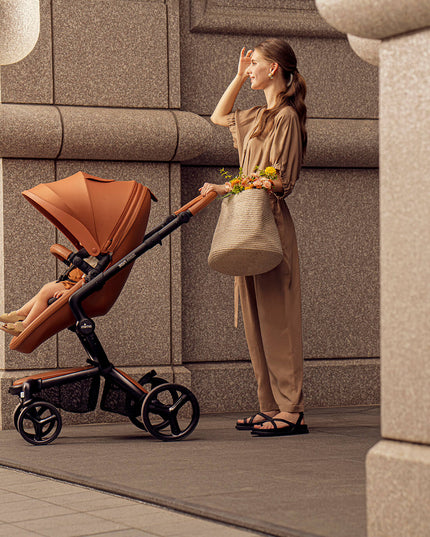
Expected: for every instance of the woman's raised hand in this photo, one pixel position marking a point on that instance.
(244, 62)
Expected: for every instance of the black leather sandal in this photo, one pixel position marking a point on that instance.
(248, 423)
(290, 430)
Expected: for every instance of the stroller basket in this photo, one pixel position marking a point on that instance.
(115, 399)
(79, 396)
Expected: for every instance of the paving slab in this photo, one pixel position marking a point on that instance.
(303, 486)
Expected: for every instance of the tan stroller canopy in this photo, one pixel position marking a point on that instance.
(91, 212)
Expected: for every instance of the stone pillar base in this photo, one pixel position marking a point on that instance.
(398, 489)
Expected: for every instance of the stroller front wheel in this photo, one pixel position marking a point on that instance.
(39, 423)
(170, 412)
(16, 414)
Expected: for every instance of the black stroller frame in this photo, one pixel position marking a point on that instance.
(166, 410)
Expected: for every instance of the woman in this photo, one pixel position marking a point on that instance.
(271, 135)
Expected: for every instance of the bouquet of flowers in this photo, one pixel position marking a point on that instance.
(258, 179)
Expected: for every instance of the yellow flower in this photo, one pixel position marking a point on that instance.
(270, 170)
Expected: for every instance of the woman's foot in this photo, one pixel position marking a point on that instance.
(11, 317)
(292, 417)
(282, 426)
(247, 424)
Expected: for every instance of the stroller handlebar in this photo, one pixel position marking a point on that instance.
(197, 204)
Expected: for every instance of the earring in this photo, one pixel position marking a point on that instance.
(270, 75)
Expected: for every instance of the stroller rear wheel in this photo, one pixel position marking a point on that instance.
(170, 412)
(39, 423)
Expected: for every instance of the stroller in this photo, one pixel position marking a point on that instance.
(104, 219)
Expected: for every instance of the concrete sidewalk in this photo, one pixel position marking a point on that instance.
(230, 483)
(32, 505)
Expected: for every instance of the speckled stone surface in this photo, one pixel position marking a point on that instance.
(333, 143)
(367, 49)
(224, 385)
(341, 382)
(336, 214)
(194, 135)
(336, 217)
(30, 80)
(27, 262)
(95, 133)
(118, 134)
(340, 85)
(271, 17)
(110, 53)
(405, 237)
(397, 470)
(375, 18)
(28, 131)
(19, 29)
(398, 485)
(174, 53)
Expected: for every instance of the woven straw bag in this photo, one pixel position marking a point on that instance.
(246, 240)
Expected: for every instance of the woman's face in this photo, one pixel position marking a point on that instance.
(258, 71)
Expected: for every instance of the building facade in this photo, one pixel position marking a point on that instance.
(123, 89)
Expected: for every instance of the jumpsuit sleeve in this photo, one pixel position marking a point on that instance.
(231, 119)
(286, 151)
(239, 123)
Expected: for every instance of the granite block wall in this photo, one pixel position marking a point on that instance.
(123, 90)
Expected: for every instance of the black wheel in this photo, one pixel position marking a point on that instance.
(39, 423)
(16, 414)
(170, 412)
(149, 383)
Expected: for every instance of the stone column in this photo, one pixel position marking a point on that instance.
(398, 467)
(19, 29)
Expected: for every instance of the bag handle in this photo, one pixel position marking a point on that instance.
(198, 203)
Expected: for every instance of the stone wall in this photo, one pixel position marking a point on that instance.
(398, 467)
(123, 89)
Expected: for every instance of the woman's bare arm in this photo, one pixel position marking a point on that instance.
(226, 103)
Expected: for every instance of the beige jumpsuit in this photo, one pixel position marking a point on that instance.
(271, 302)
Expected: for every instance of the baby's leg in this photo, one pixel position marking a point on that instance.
(39, 302)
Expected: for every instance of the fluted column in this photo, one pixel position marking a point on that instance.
(398, 467)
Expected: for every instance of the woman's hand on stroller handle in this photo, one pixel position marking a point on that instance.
(211, 187)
